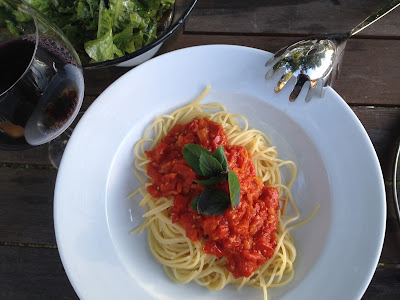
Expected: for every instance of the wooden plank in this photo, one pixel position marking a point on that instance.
(391, 245)
(26, 211)
(385, 285)
(26, 205)
(96, 81)
(290, 17)
(33, 273)
(40, 274)
(365, 78)
(381, 123)
(34, 155)
(383, 127)
(369, 73)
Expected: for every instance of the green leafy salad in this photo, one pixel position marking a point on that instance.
(106, 29)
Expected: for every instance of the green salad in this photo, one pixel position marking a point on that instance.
(106, 29)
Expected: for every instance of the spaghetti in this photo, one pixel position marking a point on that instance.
(185, 259)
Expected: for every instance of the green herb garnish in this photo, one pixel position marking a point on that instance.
(234, 188)
(211, 181)
(219, 154)
(215, 168)
(212, 203)
(191, 153)
(209, 165)
(194, 202)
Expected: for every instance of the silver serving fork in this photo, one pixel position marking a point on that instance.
(317, 59)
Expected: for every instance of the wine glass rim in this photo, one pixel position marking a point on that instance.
(35, 21)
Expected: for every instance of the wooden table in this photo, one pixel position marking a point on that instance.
(30, 266)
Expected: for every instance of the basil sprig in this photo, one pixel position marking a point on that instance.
(215, 167)
(234, 188)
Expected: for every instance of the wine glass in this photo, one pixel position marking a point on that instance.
(41, 78)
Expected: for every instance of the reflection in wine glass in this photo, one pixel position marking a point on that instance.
(41, 83)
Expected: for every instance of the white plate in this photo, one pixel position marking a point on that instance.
(338, 169)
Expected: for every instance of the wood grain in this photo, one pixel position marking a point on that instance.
(381, 123)
(37, 274)
(26, 211)
(385, 285)
(383, 127)
(26, 205)
(33, 274)
(30, 266)
(390, 251)
(290, 17)
(369, 71)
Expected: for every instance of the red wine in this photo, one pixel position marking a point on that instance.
(40, 91)
(15, 56)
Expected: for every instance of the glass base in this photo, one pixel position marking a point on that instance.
(56, 150)
(57, 147)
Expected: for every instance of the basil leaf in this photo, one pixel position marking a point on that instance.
(209, 182)
(191, 153)
(194, 202)
(209, 165)
(212, 203)
(219, 154)
(234, 188)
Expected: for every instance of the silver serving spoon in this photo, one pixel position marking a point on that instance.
(317, 59)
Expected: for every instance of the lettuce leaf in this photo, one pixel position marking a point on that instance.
(105, 21)
(101, 49)
(43, 6)
(121, 11)
(124, 40)
(102, 30)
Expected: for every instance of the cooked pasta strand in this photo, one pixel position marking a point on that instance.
(184, 260)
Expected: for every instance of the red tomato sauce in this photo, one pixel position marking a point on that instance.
(245, 235)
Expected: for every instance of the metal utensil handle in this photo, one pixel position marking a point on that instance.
(388, 7)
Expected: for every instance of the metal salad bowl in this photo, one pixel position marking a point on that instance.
(168, 29)
(117, 32)
(317, 59)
